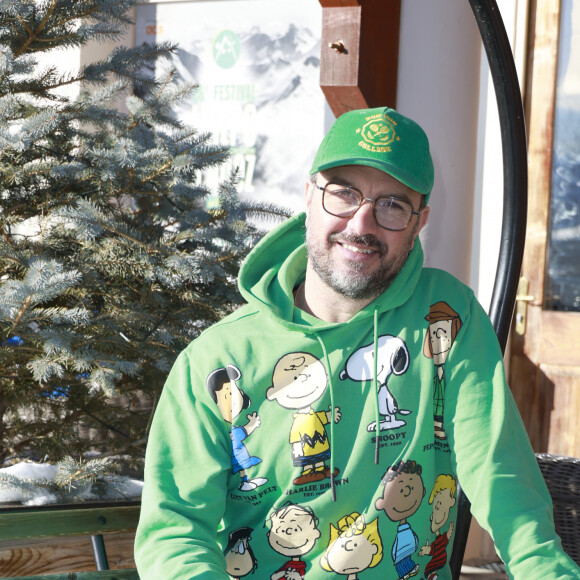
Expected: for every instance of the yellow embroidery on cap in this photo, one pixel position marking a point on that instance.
(377, 134)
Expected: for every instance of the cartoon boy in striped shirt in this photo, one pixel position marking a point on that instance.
(442, 499)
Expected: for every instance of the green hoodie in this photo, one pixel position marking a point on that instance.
(283, 447)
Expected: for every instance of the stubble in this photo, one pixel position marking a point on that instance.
(357, 284)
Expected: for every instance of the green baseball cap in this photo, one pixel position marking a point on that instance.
(381, 138)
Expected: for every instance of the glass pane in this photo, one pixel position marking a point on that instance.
(562, 291)
(257, 67)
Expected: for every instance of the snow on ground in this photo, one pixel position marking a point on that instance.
(34, 484)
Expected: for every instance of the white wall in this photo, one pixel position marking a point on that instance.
(439, 59)
(445, 85)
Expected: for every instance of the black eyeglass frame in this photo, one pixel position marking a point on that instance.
(362, 200)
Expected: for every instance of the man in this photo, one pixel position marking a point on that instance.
(345, 278)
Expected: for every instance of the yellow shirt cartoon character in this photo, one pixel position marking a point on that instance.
(299, 379)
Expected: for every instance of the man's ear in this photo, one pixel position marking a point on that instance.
(308, 191)
(423, 219)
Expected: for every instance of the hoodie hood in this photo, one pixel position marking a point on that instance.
(277, 265)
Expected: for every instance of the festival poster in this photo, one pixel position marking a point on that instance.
(257, 64)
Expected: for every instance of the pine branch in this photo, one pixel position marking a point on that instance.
(111, 262)
(25, 306)
(33, 34)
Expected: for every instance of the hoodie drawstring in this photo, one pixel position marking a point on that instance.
(330, 384)
(376, 380)
(375, 385)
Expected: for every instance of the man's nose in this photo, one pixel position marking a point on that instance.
(363, 221)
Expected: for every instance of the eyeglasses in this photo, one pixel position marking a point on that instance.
(344, 201)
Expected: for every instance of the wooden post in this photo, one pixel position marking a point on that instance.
(359, 53)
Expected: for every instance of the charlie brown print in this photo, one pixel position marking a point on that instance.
(402, 496)
(354, 546)
(293, 533)
(444, 324)
(230, 400)
(392, 359)
(442, 499)
(299, 380)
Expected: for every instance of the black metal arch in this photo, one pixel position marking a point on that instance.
(515, 201)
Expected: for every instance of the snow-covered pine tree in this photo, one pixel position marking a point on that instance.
(110, 262)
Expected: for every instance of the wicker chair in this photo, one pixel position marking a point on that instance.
(562, 476)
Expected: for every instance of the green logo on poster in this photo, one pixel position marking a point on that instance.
(226, 48)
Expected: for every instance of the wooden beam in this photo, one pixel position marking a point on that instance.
(42, 522)
(359, 53)
(67, 558)
(338, 3)
(54, 542)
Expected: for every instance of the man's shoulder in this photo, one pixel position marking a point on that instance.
(441, 279)
(442, 275)
(229, 327)
(438, 286)
(443, 292)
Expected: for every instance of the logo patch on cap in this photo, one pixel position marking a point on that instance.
(377, 134)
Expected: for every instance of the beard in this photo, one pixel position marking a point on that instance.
(357, 284)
